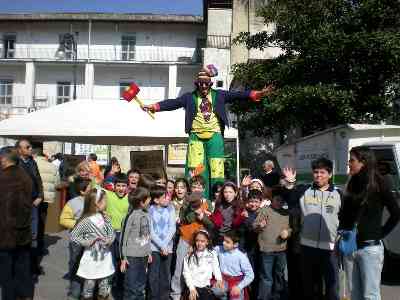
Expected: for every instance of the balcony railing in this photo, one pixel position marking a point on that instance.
(111, 53)
(219, 41)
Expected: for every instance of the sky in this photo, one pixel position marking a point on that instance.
(190, 7)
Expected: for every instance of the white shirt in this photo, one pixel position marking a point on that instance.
(100, 267)
(199, 275)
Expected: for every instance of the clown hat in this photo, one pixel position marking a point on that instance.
(207, 72)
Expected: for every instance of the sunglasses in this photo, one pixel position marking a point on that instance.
(204, 83)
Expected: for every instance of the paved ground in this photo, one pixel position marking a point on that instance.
(52, 286)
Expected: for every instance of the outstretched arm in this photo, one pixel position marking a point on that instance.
(166, 105)
(251, 94)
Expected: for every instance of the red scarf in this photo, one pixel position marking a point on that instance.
(233, 281)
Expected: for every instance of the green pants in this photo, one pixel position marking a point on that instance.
(210, 154)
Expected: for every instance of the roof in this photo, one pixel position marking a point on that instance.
(105, 17)
(372, 126)
(357, 127)
(103, 122)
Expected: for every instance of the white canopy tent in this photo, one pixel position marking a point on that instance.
(105, 122)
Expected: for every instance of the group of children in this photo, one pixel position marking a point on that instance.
(162, 240)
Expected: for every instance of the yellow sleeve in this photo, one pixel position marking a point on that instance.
(67, 219)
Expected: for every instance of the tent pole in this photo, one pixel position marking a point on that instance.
(237, 162)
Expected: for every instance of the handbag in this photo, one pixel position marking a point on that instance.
(347, 243)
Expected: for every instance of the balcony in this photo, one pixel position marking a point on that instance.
(219, 41)
(141, 54)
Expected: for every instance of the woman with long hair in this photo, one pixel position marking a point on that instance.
(366, 195)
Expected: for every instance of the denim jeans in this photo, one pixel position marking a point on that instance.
(160, 276)
(135, 278)
(75, 283)
(272, 274)
(320, 264)
(15, 276)
(365, 270)
(177, 283)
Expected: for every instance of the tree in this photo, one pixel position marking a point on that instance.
(339, 64)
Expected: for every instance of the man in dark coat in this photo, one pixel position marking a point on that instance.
(39, 208)
(15, 224)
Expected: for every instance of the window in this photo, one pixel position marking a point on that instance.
(128, 43)
(6, 89)
(9, 45)
(67, 46)
(122, 87)
(63, 92)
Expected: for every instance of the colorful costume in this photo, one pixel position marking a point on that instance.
(205, 122)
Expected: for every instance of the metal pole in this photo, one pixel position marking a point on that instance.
(75, 66)
(237, 161)
(75, 50)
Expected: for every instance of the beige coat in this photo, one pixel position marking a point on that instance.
(50, 178)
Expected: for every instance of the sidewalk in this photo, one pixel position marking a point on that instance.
(52, 286)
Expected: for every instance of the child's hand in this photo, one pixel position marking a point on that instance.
(150, 259)
(246, 181)
(200, 214)
(219, 284)
(208, 213)
(193, 294)
(245, 214)
(124, 265)
(284, 234)
(235, 292)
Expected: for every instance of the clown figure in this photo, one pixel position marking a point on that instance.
(205, 120)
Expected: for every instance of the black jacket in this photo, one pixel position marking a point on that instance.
(31, 168)
(187, 102)
(370, 216)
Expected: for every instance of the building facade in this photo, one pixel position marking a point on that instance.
(160, 53)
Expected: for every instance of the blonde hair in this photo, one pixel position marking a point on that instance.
(84, 165)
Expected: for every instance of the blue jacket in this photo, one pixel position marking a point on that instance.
(187, 101)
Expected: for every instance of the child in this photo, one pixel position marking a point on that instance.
(197, 184)
(227, 207)
(244, 225)
(117, 209)
(193, 217)
(200, 267)
(236, 270)
(273, 226)
(95, 233)
(249, 184)
(320, 205)
(71, 213)
(162, 231)
(133, 179)
(216, 190)
(135, 246)
(181, 189)
(170, 186)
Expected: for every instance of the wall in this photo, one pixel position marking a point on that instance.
(152, 79)
(41, 39)
(219, 24)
